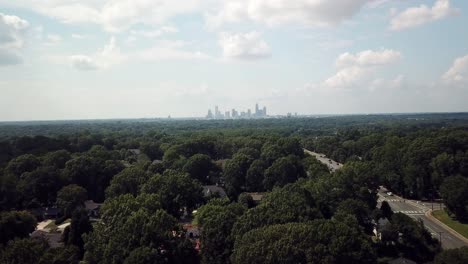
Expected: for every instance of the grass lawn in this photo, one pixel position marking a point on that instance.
(462, 229)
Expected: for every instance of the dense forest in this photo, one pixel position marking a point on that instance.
(151, 175)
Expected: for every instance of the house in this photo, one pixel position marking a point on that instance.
(379, 226)
(92, 208)
(256, 197)
(209, 190)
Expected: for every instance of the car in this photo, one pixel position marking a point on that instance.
(389, 193)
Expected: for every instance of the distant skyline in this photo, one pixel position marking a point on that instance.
(98, 59)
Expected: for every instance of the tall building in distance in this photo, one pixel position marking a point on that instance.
(234, 114)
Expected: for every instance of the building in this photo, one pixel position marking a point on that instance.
(210, 114)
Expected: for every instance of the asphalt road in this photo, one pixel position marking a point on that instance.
(417, 211)
(332, 165)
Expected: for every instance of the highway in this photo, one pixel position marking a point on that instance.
(418, 210)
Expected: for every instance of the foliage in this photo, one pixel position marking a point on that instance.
(70, 198)
(318, 241)
(16, 224)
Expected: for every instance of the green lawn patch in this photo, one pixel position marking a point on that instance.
(442, 215)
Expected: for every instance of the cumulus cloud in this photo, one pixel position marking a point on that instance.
(119, 15)
(12, 30)
(112, 15)
(155, 33)
(313, 13)
(458, 73)
(166, 49)
(83, 62)
(417, 16)
(108, 56)
(355, 69)
(112, 55)
(244, 45)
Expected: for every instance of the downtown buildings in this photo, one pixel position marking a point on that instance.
(234, 114)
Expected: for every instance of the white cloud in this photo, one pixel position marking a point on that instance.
(112, 15)
(357, 69)
(277, 12)
(458, 73)
(417, 16)
(368, 58)
(155, 33)
(166, 49)
(381, 83)
(12, 31)
(78, 36)
(83, 62)
(53, 39)
(244, 45)
(110, 55)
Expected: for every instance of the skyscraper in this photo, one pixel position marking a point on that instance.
(256, 110)
(210, 114)
(264, 111)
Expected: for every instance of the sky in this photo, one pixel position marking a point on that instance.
(96, 59)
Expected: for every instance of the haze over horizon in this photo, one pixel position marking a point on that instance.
(98, 59)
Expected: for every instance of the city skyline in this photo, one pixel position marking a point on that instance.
(89, 59)
(235, 114)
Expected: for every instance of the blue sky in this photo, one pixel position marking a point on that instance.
(72, 59)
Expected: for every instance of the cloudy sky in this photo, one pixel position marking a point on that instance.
(80, 59)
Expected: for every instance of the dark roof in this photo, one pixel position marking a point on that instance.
(51, 211)
(91, 205)
(211, 189)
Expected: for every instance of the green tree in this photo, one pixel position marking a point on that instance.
(177, 191)
(452, 256)
(23, 251)
(16, 224)
(152, 150)
(255, 176)
(292, 203)
(199, 167)
(40, 185)
(22, 164)
(234, 173)
(387, 211)
(283, 171)
(130, 223)
(70, 198)
(319, 241)
(56, 159)
(216, 220)
(79, 225)
(454, 191)
(128, 180)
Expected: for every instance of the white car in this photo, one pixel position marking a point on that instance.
(389, 193)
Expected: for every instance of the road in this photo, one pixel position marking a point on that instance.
(331, 164)
(418, 211)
